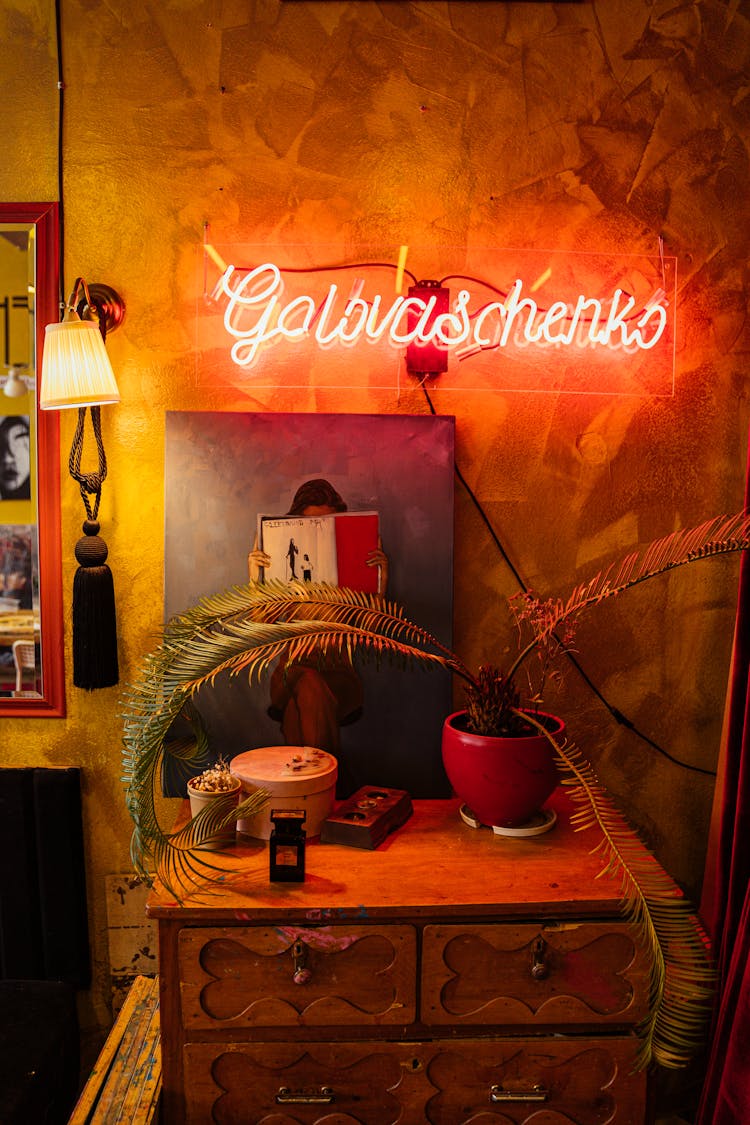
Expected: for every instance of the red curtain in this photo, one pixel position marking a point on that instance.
(725, 907)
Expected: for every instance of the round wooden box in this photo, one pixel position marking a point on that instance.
(297, 777)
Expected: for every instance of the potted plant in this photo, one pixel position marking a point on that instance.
(245, 629)
(214, 795)
(498, 762)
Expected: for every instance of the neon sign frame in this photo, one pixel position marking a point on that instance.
(586, 328)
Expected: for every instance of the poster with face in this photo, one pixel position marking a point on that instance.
(15, 457)
(224, 469)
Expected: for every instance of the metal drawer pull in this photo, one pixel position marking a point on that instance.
(301, 973)
(539, 967)
(324, 1096)
(537, 1093)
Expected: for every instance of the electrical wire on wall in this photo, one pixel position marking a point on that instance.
(616, 714)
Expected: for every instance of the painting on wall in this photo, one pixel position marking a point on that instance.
(15, 457)
(224, 471)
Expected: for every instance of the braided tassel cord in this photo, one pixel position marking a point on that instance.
(95, 663)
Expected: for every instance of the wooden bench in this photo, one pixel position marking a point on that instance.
(125, 1082)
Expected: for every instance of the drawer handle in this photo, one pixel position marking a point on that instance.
(324, 1096)
(537, 1093)
(539, 967)
(301, 974)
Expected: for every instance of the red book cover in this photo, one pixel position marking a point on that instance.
(356, 538)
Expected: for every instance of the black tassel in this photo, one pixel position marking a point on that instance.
(94, 619)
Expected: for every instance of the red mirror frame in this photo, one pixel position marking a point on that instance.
(51, 701)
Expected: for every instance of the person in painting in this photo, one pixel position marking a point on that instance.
(291, 555)
(306, 568)
(314, 696)
(15, 458)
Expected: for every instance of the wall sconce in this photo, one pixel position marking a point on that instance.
(76, 372)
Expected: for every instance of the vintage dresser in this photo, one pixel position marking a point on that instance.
(448, 977)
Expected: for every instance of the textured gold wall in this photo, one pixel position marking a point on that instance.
(545, 125)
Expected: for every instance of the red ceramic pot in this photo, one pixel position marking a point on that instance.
(502, 780)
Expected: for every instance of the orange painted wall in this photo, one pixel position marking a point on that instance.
(578, 126)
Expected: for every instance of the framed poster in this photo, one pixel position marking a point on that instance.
(225, 470)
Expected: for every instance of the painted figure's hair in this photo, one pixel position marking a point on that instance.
(316, 493)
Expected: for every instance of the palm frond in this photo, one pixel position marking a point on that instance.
(682, 976)
(177, 856)
(241, 630)
(722, 535)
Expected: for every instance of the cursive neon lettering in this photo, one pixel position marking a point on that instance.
(304, 306)
(322, 314)
(514, 305)
(356, 312)
(586, 335)
(661, 314)
(557, 311)
(407, 304)
(257, 314)
(488, 341)
(374, 330)
(457, 321)
(616, 321)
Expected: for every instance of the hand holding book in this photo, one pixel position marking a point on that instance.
(379, 559)
(257, 560)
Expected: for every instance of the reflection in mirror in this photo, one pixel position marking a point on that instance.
(31, 668)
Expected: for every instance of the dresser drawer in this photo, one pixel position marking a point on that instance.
(286, 976)
(573, 975)
(586, 1080)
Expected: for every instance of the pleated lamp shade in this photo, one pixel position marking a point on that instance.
(75, 366)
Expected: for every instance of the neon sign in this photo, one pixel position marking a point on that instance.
(257, 314)
(527, 320)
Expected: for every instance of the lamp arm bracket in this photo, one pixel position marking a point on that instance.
(99, 302)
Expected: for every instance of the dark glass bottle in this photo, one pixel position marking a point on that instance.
(287, 846)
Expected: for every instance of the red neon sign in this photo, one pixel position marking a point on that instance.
(602, 326)
(257, 314)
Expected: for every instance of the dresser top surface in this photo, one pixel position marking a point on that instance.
(433, 866)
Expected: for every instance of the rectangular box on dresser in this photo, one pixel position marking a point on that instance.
(449, 977)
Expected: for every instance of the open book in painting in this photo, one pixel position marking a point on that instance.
(330, 549)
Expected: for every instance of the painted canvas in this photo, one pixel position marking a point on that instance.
(223, 470)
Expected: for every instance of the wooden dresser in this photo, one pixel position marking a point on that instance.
(449, 977)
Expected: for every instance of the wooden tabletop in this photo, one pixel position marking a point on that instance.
(433, 864)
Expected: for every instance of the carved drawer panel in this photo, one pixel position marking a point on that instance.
(555, 1082)
(526, 975)
(287, 976)
(462, 1082)
(288, 1084)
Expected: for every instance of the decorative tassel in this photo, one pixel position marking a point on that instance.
(94, 618)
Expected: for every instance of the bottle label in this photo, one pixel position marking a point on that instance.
(286, 856)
